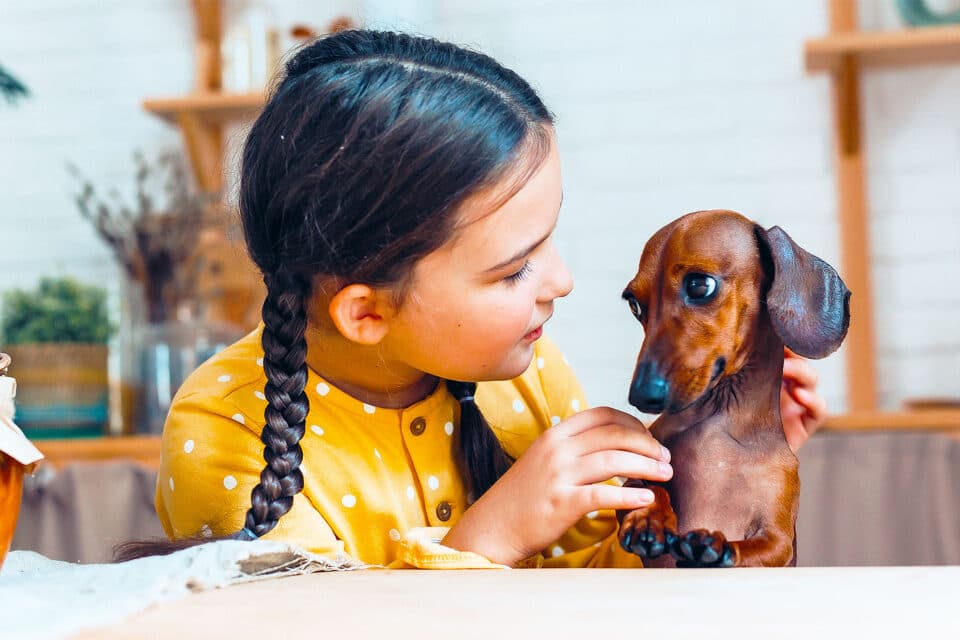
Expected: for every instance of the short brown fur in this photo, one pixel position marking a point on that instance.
(735, 476)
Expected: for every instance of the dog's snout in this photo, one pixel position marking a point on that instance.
(649, 390)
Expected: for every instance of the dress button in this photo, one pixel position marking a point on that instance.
(444, 511)
(418, 426)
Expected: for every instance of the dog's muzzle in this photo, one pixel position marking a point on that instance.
(649, 390)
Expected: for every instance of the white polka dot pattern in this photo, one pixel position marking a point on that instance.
(223, 378)
(410, 483)
(575, 404)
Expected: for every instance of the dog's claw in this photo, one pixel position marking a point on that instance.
(702, 548)
(642, 533)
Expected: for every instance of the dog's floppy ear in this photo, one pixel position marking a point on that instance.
(808, 303)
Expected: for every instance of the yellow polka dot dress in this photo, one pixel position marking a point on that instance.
(381, 486)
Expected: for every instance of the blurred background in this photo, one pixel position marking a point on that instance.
(119, 142)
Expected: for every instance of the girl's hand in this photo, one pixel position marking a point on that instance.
(802, 409)
(554, 483)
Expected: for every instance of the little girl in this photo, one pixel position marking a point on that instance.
(399, 195)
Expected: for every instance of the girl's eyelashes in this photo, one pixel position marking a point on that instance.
(522, 274)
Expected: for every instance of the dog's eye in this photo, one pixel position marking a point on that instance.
(634, 305)
(699, 287)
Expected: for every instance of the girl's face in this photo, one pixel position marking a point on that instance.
(477, 304)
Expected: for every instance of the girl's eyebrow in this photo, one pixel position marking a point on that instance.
(527, 251)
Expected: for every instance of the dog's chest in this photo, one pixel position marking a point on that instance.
(719, 484)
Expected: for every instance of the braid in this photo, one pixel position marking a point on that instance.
(483, 456)
(284, 361)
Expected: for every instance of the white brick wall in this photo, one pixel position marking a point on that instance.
(662, 108)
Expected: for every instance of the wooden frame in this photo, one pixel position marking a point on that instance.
(843, 53)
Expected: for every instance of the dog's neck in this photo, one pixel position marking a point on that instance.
(746, 404)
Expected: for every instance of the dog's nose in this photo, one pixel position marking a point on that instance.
(649, 390)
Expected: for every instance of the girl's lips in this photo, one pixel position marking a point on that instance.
(535, 334)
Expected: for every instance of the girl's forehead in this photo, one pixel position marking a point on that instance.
(524, 197)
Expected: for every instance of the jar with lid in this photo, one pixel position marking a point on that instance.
(17, 457)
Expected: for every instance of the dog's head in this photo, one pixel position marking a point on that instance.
(704, 284)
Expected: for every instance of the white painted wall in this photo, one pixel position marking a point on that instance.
(662, 108)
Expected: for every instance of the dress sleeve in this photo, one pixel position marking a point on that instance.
(420, 548)
(211, 459)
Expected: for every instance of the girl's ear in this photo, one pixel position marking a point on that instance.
(361, 313)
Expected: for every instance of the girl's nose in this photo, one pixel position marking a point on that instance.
(558, 280)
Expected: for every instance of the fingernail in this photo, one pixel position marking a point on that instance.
(664, 453)
(665, 469)
(646, 496)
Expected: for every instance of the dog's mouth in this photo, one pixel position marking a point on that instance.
(673, 406)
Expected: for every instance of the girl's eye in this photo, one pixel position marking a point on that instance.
(634, 305)
(699, 287)
(522, 274)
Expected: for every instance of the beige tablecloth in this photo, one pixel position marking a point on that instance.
(866, 499)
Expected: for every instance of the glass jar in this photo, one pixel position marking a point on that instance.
(17, 456)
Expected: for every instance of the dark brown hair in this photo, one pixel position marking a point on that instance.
(355, 169)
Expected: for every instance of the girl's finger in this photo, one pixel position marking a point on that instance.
(619, 437)
(594, 417)
(799, 372)
(603, 465)
(813, 403)
(593, 497)
(796, 434)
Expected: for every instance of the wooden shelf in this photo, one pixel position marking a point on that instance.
(211, 107)
(920, 45)
(919, 419)
(844, 53)
(142, 449)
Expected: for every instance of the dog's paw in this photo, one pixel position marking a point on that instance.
(643, 532)
(702, 548)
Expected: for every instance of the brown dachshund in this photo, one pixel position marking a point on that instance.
(718, 297)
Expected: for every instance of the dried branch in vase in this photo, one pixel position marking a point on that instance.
(156, 246)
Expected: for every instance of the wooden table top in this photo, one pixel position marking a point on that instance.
(583, 603)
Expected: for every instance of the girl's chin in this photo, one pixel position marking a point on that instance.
(520, 361)
(510, 367)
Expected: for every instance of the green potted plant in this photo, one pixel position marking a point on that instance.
(57, 336)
